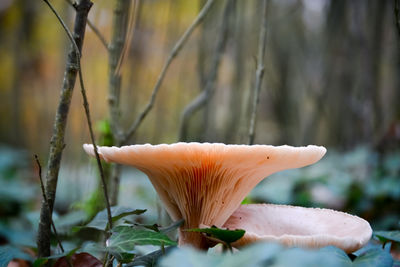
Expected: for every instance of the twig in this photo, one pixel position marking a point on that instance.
(92, 27)
(45, 200)
(123, 22)
(117, 43)
(98, 34)
(259, 72)
(133, 15)
(397, 15)
(86, 107)
(174, 52)
(209, 89)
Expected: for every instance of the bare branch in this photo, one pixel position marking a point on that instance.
(45, 200)
(92, 27)
(130, 30)
(175, 51)
(209, 89)
(98, 34)
(117, 43)
(123, 21)
(259, 72)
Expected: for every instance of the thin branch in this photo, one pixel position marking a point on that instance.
(175, 51)
(87, 112)
(133, 15)
(209, 89)
(45, 200)
(92, 27)
(259, 72)
(123, 21)
(98, 34)
(103, 181)
(117, 43)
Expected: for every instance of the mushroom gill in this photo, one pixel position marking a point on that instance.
(300, 227)
(205, 183)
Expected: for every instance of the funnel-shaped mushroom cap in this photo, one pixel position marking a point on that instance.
(205, 183)
(298, 226)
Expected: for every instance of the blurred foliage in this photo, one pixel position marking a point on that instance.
(264, 254)
(8, 253)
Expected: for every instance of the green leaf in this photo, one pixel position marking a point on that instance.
(173, 226)
(246, 200)
(8, 253)
(155, 227)
(18, 237)
(42, 261)
(65, 223)
(336, 254)
(125, 238)
(255, 255)
(227, 236)
(100, 221)
(388, 235)
(374, 258)
(327, 257)
(149, 260)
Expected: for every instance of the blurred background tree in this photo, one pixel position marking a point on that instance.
(330, 73)
(331, 78)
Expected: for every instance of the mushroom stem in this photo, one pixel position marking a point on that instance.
(194, 239)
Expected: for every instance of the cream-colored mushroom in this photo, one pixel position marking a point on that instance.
(300, 227)
(205, 183)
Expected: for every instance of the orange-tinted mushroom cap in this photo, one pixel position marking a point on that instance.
(300, 227)
(205, 183)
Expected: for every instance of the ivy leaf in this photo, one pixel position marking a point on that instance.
(227, 236)
(156, 228)
(9, 253)
(337, 254)
(42, 261)
(125, 238)
(151, 259)
(65, 223)
(385, 236)
(260, 254)
(100, 221)
(173, 226)
(374, 257)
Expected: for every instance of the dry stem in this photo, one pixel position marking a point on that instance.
(259, 72)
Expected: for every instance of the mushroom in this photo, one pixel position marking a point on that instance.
(300, 227)
(205, 183)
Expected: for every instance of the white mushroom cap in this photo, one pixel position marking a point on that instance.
(205, 183)
(300, 227)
